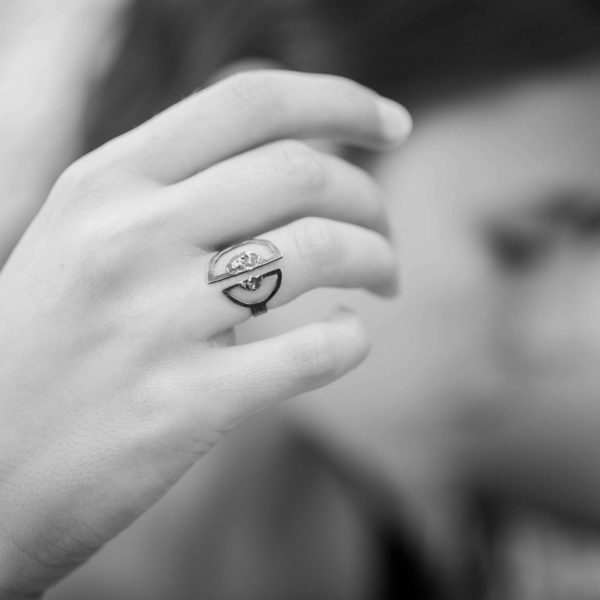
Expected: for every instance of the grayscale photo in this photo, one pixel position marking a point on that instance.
(299, 300)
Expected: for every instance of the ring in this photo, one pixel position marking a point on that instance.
(255, 291)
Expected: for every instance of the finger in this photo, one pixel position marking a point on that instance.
(260, 374)
(270, 186)
(316, 253)
(253, 108)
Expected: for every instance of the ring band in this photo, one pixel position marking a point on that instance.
(255, 291)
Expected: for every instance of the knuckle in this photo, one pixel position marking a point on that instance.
(75, 177)
(315, 359)
(301, 166)
(255, 90)
(88, 178)
(316, 244)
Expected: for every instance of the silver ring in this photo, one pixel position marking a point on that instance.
(252, 292)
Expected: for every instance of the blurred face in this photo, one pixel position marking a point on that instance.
(501, 209)
(533, 204)
(496, 202)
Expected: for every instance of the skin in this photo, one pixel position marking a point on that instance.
(115, 359)
(483, 373)
(463, 305)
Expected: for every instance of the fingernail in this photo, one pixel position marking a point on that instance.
(397, 122)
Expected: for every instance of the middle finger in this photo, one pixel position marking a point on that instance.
(268, 187)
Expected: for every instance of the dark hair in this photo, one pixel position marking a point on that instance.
(417, 50)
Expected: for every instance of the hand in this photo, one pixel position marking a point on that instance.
(114, 359)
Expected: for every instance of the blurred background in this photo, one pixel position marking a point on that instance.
(461, 459)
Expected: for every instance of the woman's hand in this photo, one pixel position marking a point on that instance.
(115, 362)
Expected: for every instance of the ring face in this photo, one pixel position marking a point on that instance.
(236, 259)
(254, 291)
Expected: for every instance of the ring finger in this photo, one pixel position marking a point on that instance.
(314, 252)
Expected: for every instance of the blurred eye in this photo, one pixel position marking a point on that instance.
(516, 250)
(588, 225)
(561, 221)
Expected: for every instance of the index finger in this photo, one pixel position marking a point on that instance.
(253, 108)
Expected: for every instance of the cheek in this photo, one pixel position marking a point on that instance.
(547, 323)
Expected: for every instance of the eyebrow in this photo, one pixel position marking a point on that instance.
(523, 231)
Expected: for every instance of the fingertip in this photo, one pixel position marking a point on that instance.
(396, 121)
(357, 341)
(388, 286)
(389, 289)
